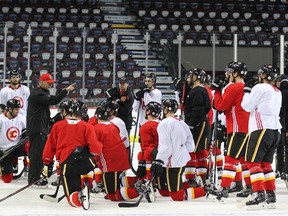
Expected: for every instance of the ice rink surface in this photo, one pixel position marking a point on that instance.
(28, 202)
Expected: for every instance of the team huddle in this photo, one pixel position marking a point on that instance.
(93, 154)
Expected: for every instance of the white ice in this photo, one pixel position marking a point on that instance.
(28, 202)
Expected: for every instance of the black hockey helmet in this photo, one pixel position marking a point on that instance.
(13, 103)
(207, 79)
(151, 76)
(154, 109)
(239, 67)
(14, 73)
(171, 104)
(269, 71)
(104, 110)
(199, 73)
(79, 108)
(65, 105)
(2, 107)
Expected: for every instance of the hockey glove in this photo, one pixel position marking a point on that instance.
(141, 171)
(139, 95)
(218, 83)
(157, 168)
(47, 170)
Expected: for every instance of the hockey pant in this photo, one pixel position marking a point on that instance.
(170, 184)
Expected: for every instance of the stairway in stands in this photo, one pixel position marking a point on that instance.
(117, 14)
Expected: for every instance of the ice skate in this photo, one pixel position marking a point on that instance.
(41, 184)
(85, 196)
(219, 195)
(146, 189)
(236, 187)
(257, 201)
(245, 192)
(270, 199)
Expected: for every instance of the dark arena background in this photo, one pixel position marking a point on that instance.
(94, 43)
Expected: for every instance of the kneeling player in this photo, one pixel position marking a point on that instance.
(175, 144)
(11, 125)
(74, 142)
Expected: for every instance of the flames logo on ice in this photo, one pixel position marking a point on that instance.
(12, 133)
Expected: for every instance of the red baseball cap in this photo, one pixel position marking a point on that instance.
(47, 78)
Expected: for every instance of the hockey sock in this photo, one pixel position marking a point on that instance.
(238, 176)
(178, 195)
(193, 193)
(125, 193)
(116, 196)
(219, 158)
(7, 178)
(87, 178)
(229, 171)
(73, 199)
(256, 175)
(128, 181)
(245, 171)
(269, 176)
(148, 173)
(202, 163)
(164, 193)
(190, 169)
(98, 174)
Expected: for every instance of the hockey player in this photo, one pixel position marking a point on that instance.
(20, 92)
(282, 149)
(114, 158)
(15, 90)
(146, 94)
(12, 123)
(175, 145)
(123, 135)
(229, 100)
(196, 109)
(149, 140)
(263, 102)
(75, 145)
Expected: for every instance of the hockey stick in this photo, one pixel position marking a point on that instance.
(23, 188)
(215, 146)
(129, 205)
(134, 139)
(8, 151)
(52, 197)
(135, 204)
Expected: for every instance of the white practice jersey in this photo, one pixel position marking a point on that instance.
(22, 93)
(175, 142)
(263, 103)
(10, 130)
(155, 95)
(123, 131)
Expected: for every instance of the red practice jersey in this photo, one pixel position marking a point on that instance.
(114, 157)
(149, 139)
(66, 135)
(230, 102)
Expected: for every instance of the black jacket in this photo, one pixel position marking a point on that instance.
(38, 111)
(284, 108)
(125, 108)
(197, 106)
